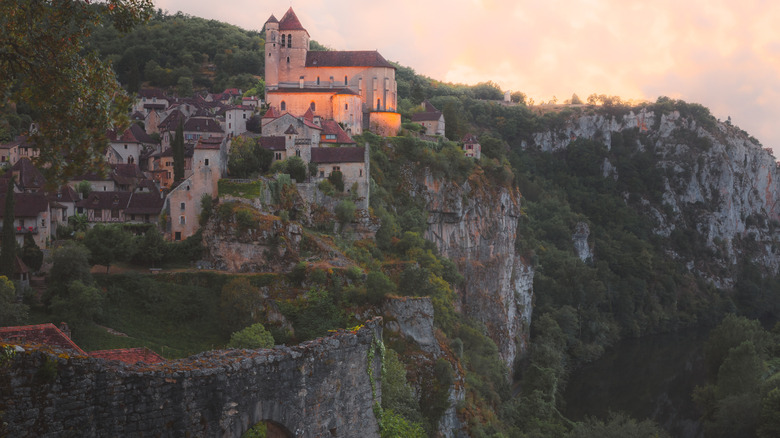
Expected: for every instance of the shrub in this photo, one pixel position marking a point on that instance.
(345, 211)
(337, 179)
(326, 187)
(253, 337)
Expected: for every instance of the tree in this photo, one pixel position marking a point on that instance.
(84, 188)
(337, 179)
(151, 248)
(32, 256)
(184, 87)
(253, 337)
(8, 255)
(107, 244)
(296, 168)
(239, 304)
(11, 311)
(73, 94)
(253, 124)
(345, 211)
(81, 305)
(178, 153)
(378, 285)
(248, 158)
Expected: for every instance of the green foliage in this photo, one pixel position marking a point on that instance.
(107, 244)
(239, 304)
(12, 312)
(395, 425)
(617, 426)
(248, 190)
(31, 254)
(70, 262)
(8, 248)
(296, 168)
(315, 315)
(247, 158)
(151, 248)
(378, 286)
(336, 179)
(345, 211)
(253, 337)
(81, 304)
(46, 63)
(206, 209)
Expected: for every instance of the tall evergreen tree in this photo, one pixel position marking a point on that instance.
(8, 254)
(178, 154)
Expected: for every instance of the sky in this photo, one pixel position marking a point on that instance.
(724, 54)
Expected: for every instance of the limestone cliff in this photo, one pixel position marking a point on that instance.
(716, 182)
(475, 225)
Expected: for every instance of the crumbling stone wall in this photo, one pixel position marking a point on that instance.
(318, 388)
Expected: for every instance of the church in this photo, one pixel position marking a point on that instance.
(354, 88)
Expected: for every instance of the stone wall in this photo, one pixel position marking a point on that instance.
(318, 388)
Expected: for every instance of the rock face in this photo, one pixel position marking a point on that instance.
(580, 240)
(717, 182)
(318, 388)
(475, 225)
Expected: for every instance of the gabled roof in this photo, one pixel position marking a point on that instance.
(127, 170)
(290, 22)
(308, 115)
(349, 58)
(106, 200)
(273, 142)
(272, 19)
(291, 130)
(41, 334)
(29, 176)
(19, 266)
(66, 193)
(133, 134)
(338, 155)
(469, 138)
(232, 92)
(198, 124)
(430, 113)
(171, 122)
(271, 113)
(145, 203)
(26, 204)
(129, 355)
(331, 127)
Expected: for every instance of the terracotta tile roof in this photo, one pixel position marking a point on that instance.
(470, 138)
(349, 58)
(338, 155)
(133, 134)
(426, 116)
(66, 193)
(209, 143)
(198, 124)
(27, 205)
(313, 90)
(129, 355)
(145, 203)
(171, 122)
(274, 142)
(429, 107)
(41, 334)
(271, 113)
(29, 177)
(290, 22)
(106, 200)
(331, 127)
(188, 147)
(152, 92)
(308, 115)
(232, 92)
(127, 170)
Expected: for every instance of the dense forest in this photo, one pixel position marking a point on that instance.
(631, 288)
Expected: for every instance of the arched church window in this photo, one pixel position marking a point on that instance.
(345, 80)
(288, 59)
(313, 106)
(282, 40)
(283, 106)
(289, 40)
(378, 104)
(318, 80)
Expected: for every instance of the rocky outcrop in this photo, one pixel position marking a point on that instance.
(580, 240)
(475, 225)
(718, 182)
(315, 389)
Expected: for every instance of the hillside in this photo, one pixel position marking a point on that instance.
(577, 228)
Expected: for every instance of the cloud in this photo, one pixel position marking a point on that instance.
(721, 53)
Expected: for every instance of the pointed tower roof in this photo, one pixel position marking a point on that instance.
(272, 19)
(271, 113)
(291, 130)
(308, 115)
(290, 22)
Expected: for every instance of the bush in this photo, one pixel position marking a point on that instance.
(345, 211)
(337, 179)
(326, 187)
(378, 285)
(253, 337)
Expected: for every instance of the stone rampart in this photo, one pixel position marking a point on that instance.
(318, 388)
